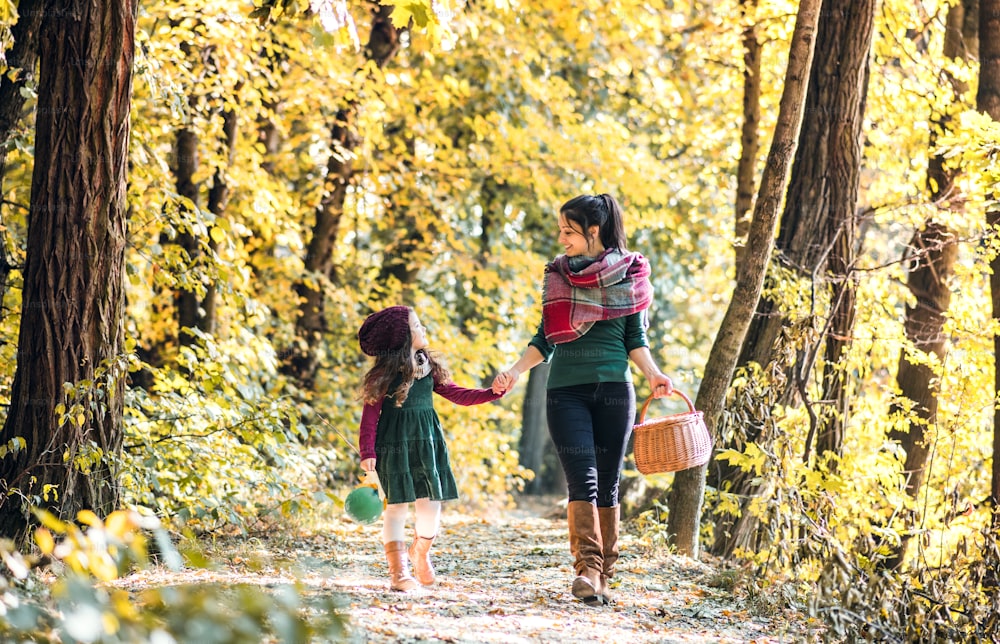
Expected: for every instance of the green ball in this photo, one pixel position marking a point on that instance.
(363, 504)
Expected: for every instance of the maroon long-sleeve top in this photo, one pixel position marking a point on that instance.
(449, 390)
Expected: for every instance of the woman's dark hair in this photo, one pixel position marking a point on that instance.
(598, 210)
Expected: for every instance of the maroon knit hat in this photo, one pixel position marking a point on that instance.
(386, 330)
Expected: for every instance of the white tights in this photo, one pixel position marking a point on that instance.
(427, 521)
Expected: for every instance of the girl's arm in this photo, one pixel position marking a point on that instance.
(659, 383)
(463, 395)
(369, 426)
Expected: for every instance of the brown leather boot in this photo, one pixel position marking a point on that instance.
(610, 520)
(420, 551)
(399, 573)
(585, 545)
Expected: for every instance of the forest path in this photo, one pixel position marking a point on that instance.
(506, 578)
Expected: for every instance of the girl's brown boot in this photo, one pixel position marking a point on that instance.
(420, 557)
(399, 573)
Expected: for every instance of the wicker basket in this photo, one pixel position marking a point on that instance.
(671, 443)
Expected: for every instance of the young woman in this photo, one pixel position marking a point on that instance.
(594, 305)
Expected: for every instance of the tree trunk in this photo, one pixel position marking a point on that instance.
(988, 101)
(186, 302)
(746, 170)
(302, 359)
(536, 449)
(688, 488)
(73, 301)
(817, 230)
(932, 253)
(21, 61)
(218, 197)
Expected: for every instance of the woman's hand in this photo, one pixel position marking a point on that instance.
(660, 385)
(368, 464)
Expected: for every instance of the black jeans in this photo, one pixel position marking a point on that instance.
(590, 426)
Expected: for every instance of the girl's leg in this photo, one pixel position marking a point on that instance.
(428, 518)
(427, 524)
(394, 522)
(393, 535)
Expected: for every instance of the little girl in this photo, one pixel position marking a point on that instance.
(401, 436)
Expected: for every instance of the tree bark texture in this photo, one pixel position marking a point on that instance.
(536, 449)
(988, 101)
(746, 170)
(73, 303)
(22, 59)
(186, 304)
(688, 488)
(301, 360)
(817, 229)
(931, 254)
(218, 198)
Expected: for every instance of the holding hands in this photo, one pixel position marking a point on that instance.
(505, 381)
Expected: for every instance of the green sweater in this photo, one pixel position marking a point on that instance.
(601, 355)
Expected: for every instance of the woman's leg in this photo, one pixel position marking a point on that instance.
(613, 416)
(427, 523)
(569, 414)
(568, 410)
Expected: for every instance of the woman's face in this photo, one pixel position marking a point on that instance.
(574, 241)
(418, 334)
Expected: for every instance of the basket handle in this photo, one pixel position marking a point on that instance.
(645, 406)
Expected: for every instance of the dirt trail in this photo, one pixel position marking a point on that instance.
(505, 579)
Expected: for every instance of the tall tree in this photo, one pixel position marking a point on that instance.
(21, 60)
(67, 396)
(746, 170)
(988, 101)
(302, 360)
(931, 253)
(817, 230)
(688, 488)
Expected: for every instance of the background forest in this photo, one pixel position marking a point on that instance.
(291, 167)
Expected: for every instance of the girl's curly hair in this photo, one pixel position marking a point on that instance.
(390, 364)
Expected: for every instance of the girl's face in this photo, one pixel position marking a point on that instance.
(418, 334)
(575, 242)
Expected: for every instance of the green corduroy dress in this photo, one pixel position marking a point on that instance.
(411, 454)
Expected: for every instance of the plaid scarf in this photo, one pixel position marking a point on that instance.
(579, 291)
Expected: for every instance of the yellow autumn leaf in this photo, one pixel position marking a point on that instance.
(46, 543)
(50, 521)
(119, 523)
(87, 517)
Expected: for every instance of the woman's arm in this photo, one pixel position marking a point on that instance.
(506, 380)
(659, 383)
